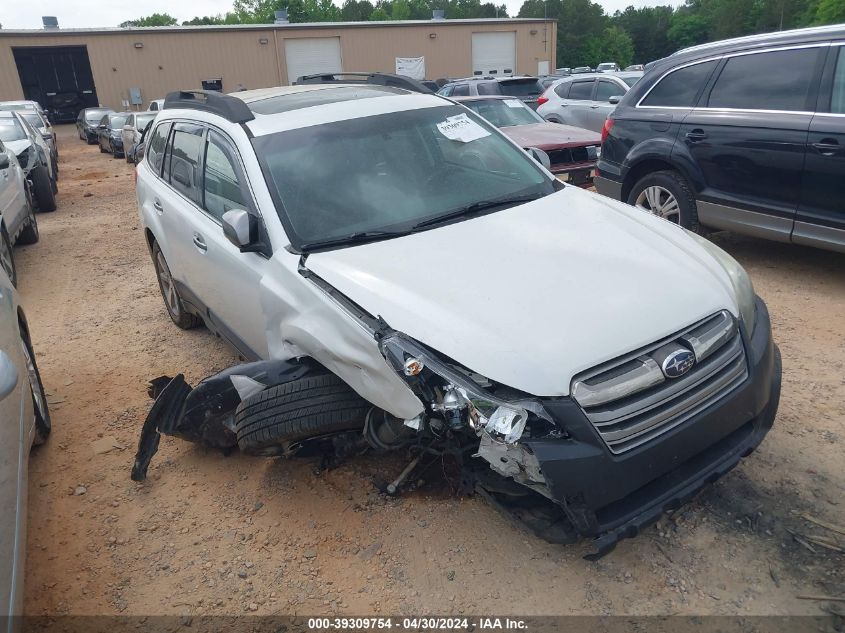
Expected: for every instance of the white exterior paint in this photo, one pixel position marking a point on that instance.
(311, 55)
(494, 53)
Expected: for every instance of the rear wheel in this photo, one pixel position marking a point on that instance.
(298, 410)
(39, 398)
(29, 235)
(172, 301)
(7, 260)
(668, 195)
(42, 189)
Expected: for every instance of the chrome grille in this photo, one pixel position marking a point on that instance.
(630, 401)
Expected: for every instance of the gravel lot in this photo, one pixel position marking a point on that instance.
(208, 534)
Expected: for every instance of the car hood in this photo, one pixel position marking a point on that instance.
(532, 295)
(550, 135)
(18, 146)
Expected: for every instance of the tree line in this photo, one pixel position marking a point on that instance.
(586, 35)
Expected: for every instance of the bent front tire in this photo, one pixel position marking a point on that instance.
(298, 410)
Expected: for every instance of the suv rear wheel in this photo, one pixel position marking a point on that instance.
(172, 300)
(668, 195)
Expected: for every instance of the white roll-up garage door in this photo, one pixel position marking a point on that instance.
(311, 55)
(493, 53)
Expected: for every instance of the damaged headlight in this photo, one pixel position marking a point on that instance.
(741, 282)
(461, 397)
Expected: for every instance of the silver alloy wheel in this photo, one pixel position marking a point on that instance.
(659, 201)
(6, 257)
(168, 289)
(35, 384)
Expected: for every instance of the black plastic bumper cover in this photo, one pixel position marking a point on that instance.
(611, 497)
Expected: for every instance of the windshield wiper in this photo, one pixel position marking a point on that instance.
(477, 207)
(351, 239)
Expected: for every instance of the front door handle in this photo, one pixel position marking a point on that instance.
(828, 147)
(199, 242)
(696, 135)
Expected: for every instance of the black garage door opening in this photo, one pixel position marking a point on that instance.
(57, 77)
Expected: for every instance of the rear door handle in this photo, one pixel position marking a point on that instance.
(828, 147)
(696, 135)
(157, 206)
(199, 242)
(594, 106)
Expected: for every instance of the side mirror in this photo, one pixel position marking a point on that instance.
(240, 228)
(614, 99)
(540, 156)
(4, 161)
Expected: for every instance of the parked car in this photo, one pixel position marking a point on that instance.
(110, 133)
(563, 71)
(446, 293)
(746, 135)
(64, 107)
(525, 88)
(87, 122)
(607, 67)
(33, 155)
(580, 70)
(135, 125)
(634, 67)
(26, 421)
(572, 151)
(40, 123)
(155, 105)
(585, 100)
(17, 218)
(23, 105)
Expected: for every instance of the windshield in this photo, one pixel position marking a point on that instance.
(16, 106)
(390, 172)
(117, 121)
(143, 120)
(11, 130)
(521, 87)
(504, 112)
(631, 80)
(94, 116)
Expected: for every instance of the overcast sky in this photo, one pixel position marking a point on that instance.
(26, 14)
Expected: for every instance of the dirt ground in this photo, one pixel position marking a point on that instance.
(208, 534)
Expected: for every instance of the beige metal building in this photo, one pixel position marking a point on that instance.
(128, 67)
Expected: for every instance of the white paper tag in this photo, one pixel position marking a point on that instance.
(513, 103)
(461, 128)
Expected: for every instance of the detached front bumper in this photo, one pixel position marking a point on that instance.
(614, 496)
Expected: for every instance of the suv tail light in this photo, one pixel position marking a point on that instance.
(542, 99)
(605, 131)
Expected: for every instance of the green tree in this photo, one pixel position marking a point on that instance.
(356, 11)
(688, 29)
(205, 20)
(648, 28)
(379, 14)
(613, 45)
(829, 12)
(156, 19)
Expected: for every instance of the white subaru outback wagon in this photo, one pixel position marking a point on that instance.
(444, 291)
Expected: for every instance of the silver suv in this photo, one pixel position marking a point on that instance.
(585, 100)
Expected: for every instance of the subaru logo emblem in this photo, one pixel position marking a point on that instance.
(678, 363)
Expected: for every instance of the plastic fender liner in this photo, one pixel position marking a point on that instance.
(204, 414)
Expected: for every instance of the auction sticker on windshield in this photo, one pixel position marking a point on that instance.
(513, 103)
(461, 128)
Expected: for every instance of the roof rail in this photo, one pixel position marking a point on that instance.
(378, 79)
(230, 108)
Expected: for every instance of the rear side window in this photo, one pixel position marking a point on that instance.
(562, 90)
(155, 148)
(779, 80)
(608, 89)
(487, 88)
(837, 98)
(581, 90)
(183, 161)
(521, 87)
(680, 88)
(461, 90)
(223, 187)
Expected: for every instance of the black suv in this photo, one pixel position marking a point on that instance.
(527, 89)
(746, 135)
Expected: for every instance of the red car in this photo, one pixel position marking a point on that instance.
(572, 151)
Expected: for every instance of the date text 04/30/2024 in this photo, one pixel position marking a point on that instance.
(418, 624)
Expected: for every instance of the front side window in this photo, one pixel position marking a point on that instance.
(183, 160)
(117, 121)
(143, 120)
(777, 80)
(607, 89)
(155, 148)
(391, 172)
(487, 88)
(223, 187)
(504, 112)
(460, 90)
(837, 98)
(680, 88)
(581, 90)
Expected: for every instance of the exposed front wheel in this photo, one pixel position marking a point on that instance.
(29, 235)
(170, 294)
(42, 188)
(668, 195)
(39, 398)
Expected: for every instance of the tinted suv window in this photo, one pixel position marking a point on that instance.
(155, 148)
(581, 90)
(562, 90)
(222, 182)
(837, 99)
(779, 80)
(608, 89)
(487, 88)
(461, 90)
(183, 160)
(680, 88)
(521, 87)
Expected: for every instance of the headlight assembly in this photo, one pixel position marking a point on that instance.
(741, 282)
(455, 394)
